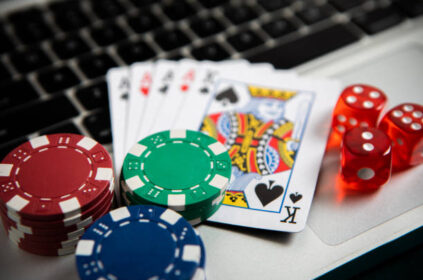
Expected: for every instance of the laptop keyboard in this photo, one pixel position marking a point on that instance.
(53, 57)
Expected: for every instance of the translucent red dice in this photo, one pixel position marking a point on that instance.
(358, 106)
(365, 158)
(403, 124)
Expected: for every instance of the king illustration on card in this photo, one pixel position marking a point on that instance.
(261, 141)
(262, 129)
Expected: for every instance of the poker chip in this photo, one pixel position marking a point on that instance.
(183, 170)
(193, 216)
(200, 273)
(67, 222)
(46, 252)
(54, 176)
(52, 188)
(140, 242)
(49, 231)
(53, 241)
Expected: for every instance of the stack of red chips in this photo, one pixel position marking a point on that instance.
(52, 188)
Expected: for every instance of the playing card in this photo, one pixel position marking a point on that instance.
(164, 74)
(185, 76)
(275, 131)
(118, 88)
(141, 82)
(193, 109)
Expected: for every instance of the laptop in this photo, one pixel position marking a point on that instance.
(54, 55)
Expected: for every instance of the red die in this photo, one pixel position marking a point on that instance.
(358, 105)
(403, 124)
(365, 158)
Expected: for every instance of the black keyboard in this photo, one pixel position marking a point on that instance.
(53, 57)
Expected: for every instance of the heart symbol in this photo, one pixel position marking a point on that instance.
(267, 194)
(184, 87)
(295, 197)
(144, 90)
(227, 95)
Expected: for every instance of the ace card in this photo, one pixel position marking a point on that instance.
(118, 81)
(141, 83)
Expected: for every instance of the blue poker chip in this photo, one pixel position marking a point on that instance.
(140, 242)
(200, 273)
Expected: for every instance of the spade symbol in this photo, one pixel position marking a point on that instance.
(295, 197)
(124, 96)
(204, 90)
(267, 194)
(226, 96)
(163, 89)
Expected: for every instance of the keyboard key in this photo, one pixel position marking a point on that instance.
(132, 52)
(98, 125)
(143, 22)
(4, 73)
(30, 26)
(171, 39)
(69, 15)
(70, 46)
(206, 26)
(210, 52)
(35, 116)
(96, 65)
(271, 5)
(239, 13)
(378, 20)
(29, 60)
(67, 127)
(57, 78)
(16, 92)
(177, 10)
(279, 28)
(300, 51)
(412, 8)
(176, 57)
(245, 40)
(312, 14)
(6, 43)
(106, 8)
(344, 5)
(107, 34)
(93, 96)
(142, 3)
(213, 3)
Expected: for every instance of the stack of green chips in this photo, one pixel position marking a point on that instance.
(184, 170)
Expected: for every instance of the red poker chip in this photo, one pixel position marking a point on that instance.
(46, 252)
(48, 232)
(58, 238)
(38, 242)
(61, 223)
(54, 176)
(38, 245)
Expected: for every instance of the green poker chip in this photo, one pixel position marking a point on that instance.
(194, 216)
(178, 169)
(137, 200)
